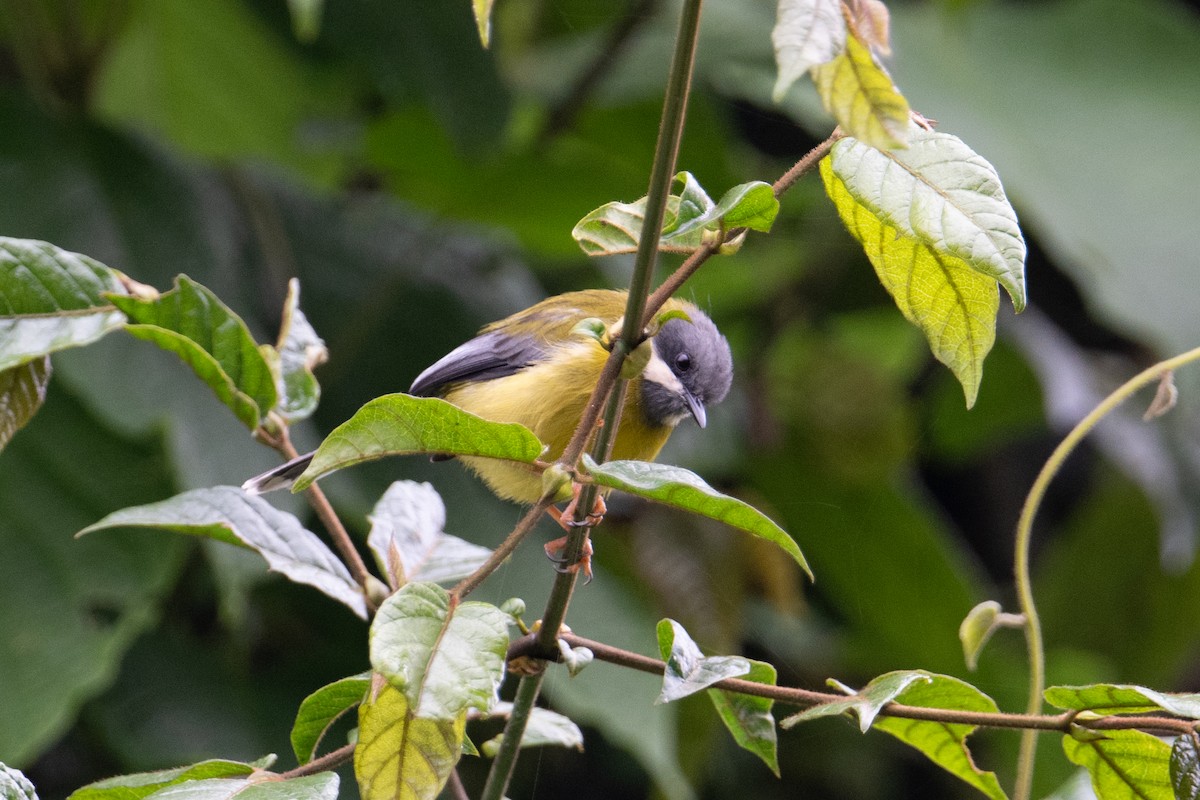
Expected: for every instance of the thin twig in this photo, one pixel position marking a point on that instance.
(331, 760)
(806, 698)
(523, 527)
(457, 790)
(329, 518)
(1033, 625)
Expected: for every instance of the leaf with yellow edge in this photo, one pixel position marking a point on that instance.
(860, 95)
(399, 756)
(937, 227)
(806, 33)
(483, 20)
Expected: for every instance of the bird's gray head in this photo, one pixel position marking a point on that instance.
(690, 369)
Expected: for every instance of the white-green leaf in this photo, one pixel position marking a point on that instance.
(321, 786)
(866, 703)
(943, 194)
(806, 33)
(691, 218)
(935, 224)
(230, 515)
(1116, 698)
(142, 784)
(408, 540)
(680, 488)
(14, 785)
(688, 670)
(444, 657)
(544, 728)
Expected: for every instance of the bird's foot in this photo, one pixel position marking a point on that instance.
(554, 552)
(566, 520)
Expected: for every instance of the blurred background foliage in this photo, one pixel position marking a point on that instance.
(420, 186)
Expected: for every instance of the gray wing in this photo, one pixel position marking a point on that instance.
(492, 355)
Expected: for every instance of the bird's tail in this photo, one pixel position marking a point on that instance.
(279, 478)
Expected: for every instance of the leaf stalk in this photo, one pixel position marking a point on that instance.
(1033, 625)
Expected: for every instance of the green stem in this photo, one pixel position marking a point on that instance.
(506, 756)
(666, 151)
(1033, 625)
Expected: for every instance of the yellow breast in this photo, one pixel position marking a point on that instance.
(549, 398)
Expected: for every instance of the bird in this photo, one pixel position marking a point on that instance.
(538, 367)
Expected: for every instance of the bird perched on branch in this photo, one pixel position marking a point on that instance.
(538, 368)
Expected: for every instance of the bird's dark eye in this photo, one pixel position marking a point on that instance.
(683, 362)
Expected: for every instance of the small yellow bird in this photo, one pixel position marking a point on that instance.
(537, 369)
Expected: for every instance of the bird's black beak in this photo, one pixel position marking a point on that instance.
(696, 407)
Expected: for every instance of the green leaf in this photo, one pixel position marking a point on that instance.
(321, 709)
(300, 350)
(445, 657)
(306, 18)
(408, 540)
(694, 207)
(691, 218)
(141, 784)
(977, 628)
(51, 299)
(545, 728)
(398, 424)
(944, 743)
(866, 703)
(1114, 698)
(483, 19)
(14, 785)
(688, 670)
(750, 205)
(401, 756)
(806, 33)
(321, 786)
(1124, 764)
(748, 717)
(615, 228)
(193, 323)
(936, 226)
(1185, 767)
(860, 95)
(679, 488)
(22, 391)
(230, 515)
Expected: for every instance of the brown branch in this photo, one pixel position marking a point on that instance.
(806, 698)
(522, 528)
(331, 760)
(329, 518)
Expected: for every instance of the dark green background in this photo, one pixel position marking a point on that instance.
(402, 173)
